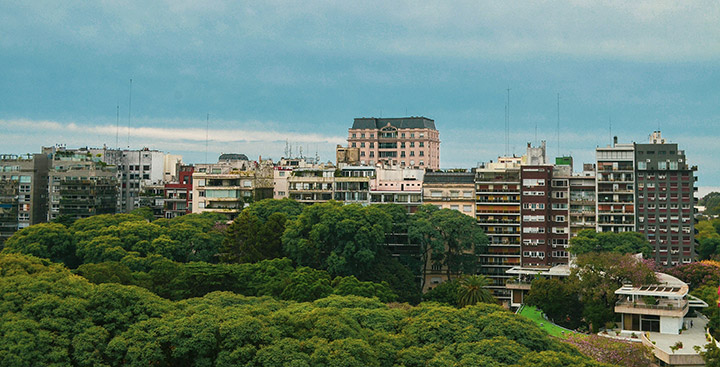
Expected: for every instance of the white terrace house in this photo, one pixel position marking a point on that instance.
(655, 307)
(663, 314)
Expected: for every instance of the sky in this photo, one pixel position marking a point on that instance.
(245, 76)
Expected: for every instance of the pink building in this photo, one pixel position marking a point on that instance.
(406, 142)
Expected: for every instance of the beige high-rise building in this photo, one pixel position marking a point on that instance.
(405, 142)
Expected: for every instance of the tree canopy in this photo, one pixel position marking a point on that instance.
(49, 316)
(624, 243)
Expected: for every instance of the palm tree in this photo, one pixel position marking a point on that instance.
(473, 290)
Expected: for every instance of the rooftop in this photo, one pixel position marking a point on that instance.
(450, 177)
(400, 123)
(667, 286)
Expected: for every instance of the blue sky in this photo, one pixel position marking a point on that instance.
(275, 70)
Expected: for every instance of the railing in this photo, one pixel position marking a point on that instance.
(666, 306)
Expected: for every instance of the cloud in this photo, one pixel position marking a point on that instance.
(173, 134)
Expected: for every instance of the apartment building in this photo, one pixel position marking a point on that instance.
(312, 184)
(353, 184)
(138, 169)
(80, 185)
(497, 210)
(230, 185)
(405, 142)
(23, 192)
(582, 200)
(398, 185)
(615, 188)
(665, 200)
(450, 190)
(178, 195)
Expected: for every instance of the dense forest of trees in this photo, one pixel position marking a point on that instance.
(52, 317)
(287, 284)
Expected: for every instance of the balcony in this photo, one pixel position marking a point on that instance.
(665, 307)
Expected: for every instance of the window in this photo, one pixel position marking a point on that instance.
(422, 153)
(467, 208)
(353, 135)
(362, 145)
(362, 135)
(372, 145)
(641, 165)
(354, 145)
(422, 144)
(559, 218)
(362, 153)
(372, 154)
(412, 144)
(662, 165)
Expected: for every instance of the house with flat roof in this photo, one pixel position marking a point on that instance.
(665, 316)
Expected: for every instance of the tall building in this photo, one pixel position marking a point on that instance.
(615, 188)
(80, 185)
(582, 200)
(406, 142)
(497, 210)
(23, 192)
(665, 200)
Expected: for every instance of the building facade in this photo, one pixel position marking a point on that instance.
(230, 185)
(665, 200)
(23, 192)
(80, 185)
(405, 142)
(178, 195)
(450, 190)
(615, 188)
(497, 211)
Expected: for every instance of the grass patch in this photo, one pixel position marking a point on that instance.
(535, 315)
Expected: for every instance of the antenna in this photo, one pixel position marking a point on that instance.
(287, 149)
(507, 125)
(610, 127)
(129, 114)
(207, 129)
(558, 124)
(117, 127)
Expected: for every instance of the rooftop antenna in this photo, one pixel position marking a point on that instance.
(610, 127)
(287, 149)
(507, 125)
(300, 151)
(207, 135)
(317, 156)
(558, 124)
(129, 114)
(117, 127)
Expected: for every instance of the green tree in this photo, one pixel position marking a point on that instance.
(144, 212)
(624, 243)
(448, 238)
(445, 292)
(599, 275)
(47, 240)
(473, 289)
(342, 239)
(345, 286)
(558, 299)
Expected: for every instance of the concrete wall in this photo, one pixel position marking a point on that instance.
(670, 325)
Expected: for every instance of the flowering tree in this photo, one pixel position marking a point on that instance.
(599, 275)
(612, 351)
(697, 274)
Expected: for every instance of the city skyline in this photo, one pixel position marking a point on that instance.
(302, 72)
